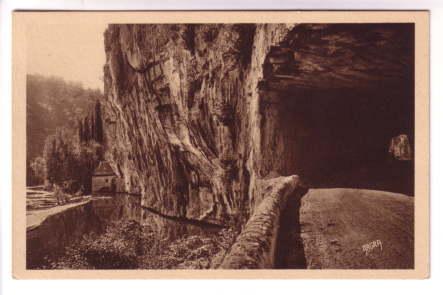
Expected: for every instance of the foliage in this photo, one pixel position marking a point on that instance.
(70, 163)
(98, 123)
(52, 103)
(89, 156)
(129, 245)
(91, 127)
(38, 167)
(201, 251)
(59, 156)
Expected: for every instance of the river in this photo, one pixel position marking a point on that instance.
(49, 240)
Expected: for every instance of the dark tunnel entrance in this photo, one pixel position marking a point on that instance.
(336, 122)
(341, 137)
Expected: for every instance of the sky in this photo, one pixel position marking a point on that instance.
(73, 52)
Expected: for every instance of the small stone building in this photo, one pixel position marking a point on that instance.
(104, 180)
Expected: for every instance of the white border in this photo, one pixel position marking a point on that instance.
(11, 286)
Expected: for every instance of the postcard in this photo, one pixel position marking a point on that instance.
(242, 144)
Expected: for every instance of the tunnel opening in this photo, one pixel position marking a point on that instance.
(336, 115)
(341, 137)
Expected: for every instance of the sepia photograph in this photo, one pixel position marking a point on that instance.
(285, 143)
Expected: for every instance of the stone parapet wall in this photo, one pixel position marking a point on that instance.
(255, 246)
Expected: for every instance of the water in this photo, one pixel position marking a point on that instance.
(49, 240)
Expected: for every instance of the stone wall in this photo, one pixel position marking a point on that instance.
(255, 247)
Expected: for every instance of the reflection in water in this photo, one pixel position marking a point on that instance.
(127, 207)
(120, 207)
(50, 239)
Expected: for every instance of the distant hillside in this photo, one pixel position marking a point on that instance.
(51, 103)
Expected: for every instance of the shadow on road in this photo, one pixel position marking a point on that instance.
(290, 253)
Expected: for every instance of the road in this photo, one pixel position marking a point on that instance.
(341, 228)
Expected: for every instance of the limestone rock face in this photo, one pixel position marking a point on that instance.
(193, 112)
(180, 116)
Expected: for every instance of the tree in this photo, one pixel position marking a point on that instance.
(86, 130)
(53, 103)
(98, 123)
(67, 160)
(89, 156)
(60, 157)
(38, 166)
(92, 127)
(80, 131)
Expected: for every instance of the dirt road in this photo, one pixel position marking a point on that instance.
(348, 229)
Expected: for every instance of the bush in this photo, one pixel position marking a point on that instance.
(119, 247)
(129, 245)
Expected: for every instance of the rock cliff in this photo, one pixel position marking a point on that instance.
(182, 114)
(196, 115)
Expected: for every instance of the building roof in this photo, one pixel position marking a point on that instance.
(103, 169)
